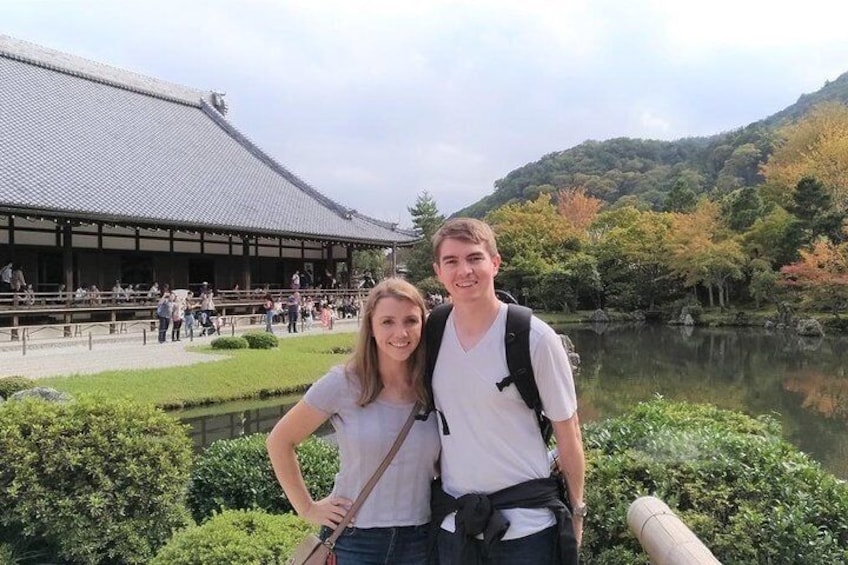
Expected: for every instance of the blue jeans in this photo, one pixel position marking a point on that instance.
(163, 328)
(406, 545)
(269, 320)
(535, 549)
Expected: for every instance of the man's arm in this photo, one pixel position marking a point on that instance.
(572, 464)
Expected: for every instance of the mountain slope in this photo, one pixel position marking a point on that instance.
(643, 171)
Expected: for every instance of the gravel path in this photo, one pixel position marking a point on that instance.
(60, 359)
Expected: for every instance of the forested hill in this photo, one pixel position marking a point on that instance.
(643, 171)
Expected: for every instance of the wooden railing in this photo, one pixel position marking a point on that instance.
(666, 539)
(62, 299)
(140, 331)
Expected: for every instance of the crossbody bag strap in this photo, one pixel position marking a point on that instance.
(369, 486)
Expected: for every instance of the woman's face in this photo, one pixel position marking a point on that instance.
(396, 325)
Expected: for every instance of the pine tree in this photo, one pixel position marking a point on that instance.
(426, 219)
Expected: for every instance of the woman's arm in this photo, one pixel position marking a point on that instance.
(298, 424)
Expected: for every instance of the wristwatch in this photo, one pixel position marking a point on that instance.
(580, 510)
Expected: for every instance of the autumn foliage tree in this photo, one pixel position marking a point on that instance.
(816, 146)
(578, 208)
(821, 275)
(703, 251)
(533, 239)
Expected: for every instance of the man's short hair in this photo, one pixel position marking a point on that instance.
(469, 230)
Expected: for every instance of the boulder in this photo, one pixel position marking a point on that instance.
(599, 317)
(568, 345)
(809, 327)
(44, 393)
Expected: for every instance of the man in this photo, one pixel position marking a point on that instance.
(490, 438)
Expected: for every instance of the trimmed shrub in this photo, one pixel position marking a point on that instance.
(11, 385)
(236, 537)
(749, 496)
(261, 340)
(100, 480)
(7, 555)
(229, 342)
(237, 474)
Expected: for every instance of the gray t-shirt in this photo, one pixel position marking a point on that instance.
(365, 435)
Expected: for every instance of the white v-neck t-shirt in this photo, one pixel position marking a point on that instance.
(494, 439)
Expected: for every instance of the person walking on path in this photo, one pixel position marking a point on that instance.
(367, 402)
(491, 440)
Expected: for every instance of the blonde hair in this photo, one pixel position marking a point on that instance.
(469, 230)
(364, 364)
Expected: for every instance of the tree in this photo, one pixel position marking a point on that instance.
(775, 237)
(812, 205)
(370, 261)
(815, 146)
(740, 169)
(680, 198)
(702, 251)
(426, 219)
(532, 239)
(578, 208)
(821, 274)
(631, 247)
(742, 208)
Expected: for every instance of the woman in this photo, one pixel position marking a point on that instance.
(367, 401)
(268, 306)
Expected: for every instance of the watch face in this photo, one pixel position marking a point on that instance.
(580, 511)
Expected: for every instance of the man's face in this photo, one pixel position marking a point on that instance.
(467, 270)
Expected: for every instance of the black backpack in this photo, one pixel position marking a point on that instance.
(517, 341)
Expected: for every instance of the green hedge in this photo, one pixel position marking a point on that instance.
(229, 342)
(237, 474)
(748, 495)
(236, 537)
(99, 480)
(11, 385)
(261, 340)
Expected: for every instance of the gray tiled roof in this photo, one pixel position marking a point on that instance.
(86, 140)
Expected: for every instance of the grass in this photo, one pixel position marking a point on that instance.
(243, 374)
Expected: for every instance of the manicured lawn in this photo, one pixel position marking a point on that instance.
(245, 374)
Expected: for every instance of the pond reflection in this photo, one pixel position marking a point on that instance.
(800, 381)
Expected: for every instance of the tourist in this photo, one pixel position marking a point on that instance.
(6, 277)
(293, 307)
(164, 310)
(367, 401)
(177, 314)
(491, 440)
(270, 310)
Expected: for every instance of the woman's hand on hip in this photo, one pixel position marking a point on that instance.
(328, 511)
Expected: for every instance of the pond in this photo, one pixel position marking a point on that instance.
(800, 381)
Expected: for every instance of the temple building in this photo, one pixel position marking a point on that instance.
(110, 175)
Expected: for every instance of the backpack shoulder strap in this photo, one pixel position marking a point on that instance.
(520, 364)
(517, 341)
(433, 333)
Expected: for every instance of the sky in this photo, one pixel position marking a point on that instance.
(374, 102)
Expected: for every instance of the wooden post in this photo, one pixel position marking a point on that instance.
(666, 539)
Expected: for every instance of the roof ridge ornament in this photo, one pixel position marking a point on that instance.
(218, 102)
